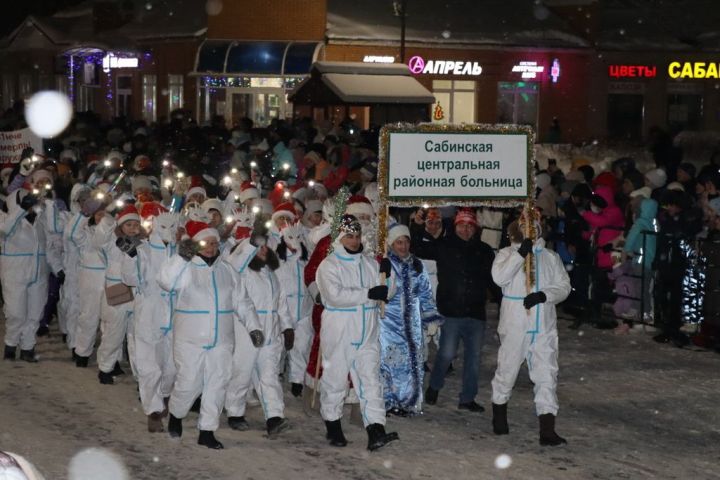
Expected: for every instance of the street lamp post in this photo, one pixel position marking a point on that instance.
(400, 7)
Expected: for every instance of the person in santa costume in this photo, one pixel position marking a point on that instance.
(24, 270)
(528, 328)
(204, 308)
(152, 319)
(348, 282)
(264, 329)
(115, 319)
(283, 215)
(293, 257)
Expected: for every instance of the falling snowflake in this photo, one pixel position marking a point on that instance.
(42, 123)
(503, 461)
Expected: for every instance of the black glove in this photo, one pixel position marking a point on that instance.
(608, 247)
(61, 277)
(30, 217)
(385, 266)
(128, 245)
(28, 201)
(525, 247)
(289, 337)
(534, 299)
(417, 265)
(378, 293)
(257, 338)
(318, 299)
(187, 249)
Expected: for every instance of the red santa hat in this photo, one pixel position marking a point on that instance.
(466, 215)
(277, 194)
(248, 191)
(241, 233)
(151, 209)
(200, 230)
(196, 187)
(359, 205)
(126, 214)
(286, 209)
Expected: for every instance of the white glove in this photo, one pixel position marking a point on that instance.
(26, 167)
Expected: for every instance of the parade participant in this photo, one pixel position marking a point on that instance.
(348, 283)
(258, 339)
(203, 330)
(401, 328)
(24, 272)
(115, 319)
(152, 319)
(293, 257)
(214, 208)
(282, 216)
(91, 274)
(463, 263)
(528, 328)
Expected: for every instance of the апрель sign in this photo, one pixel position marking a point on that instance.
(460, 165)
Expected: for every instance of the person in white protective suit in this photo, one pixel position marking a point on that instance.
(208, 296)
(282, 216)
(24, 271)
(349, 284)
(115, 320)
(69, 305)
(528, 329)
(88, 236)
(257, 364)
(152, 318)
(293, 257)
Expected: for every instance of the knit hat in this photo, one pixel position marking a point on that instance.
(126, 214)
(212, 204)
(151, 209)
(359, 205)
(676, 186)
(248, 191)
(396, 231)
(200, 230)
(656, 178)
(140, 182)
(348, 224)
(644, 192)
(606, 179)
(466, 215)
(194, 191)
(286, 209)
(41, 174)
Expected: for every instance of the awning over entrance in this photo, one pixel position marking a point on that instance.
(352, 83)
(222, 57)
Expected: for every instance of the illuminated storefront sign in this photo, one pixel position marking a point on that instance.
(555, 70)
(418, 66)
(631, 71)
(694, 70)
(110, 62)
(528, 69)
(378, 59)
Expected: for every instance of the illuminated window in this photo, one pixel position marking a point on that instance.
(176, 84)
(518, 103)
(149, 96)
(8, 90)
(454, 101)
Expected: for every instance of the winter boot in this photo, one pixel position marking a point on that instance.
(431, 396)
(117, 371)
(155, 424)
(296, 389)
(238, 423)
(547, 431)
(64, 338)
(42, 331)
(105, 378)
(377, 437)
(276, 425)
(175, 426)
(472, 406)
(335, 433)
(196, 405)
(208, 439)
(74, 355)
(9, 353)
(81, 362)
(28, 355)
(499, 421)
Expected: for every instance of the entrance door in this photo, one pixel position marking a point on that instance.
(259, 105)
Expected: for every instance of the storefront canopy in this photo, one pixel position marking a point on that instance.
(354, 83)
(221, 57)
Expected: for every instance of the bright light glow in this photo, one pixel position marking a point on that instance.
(286, 166)
(165, 163)
(227, 180)
(234, 170)
(34, 158)
(119, 203)
(203, 243)
(426, 206)
(110, 61)
(286, 194)
(503, 461)
(48, 113)
(100, 195)
(528, 69)
(147, 224)
(378, 59)
(168, 183)
(268, 224)
(237, 197)
(180, 174)
(229, 219)
(311, 183)
(256, 209)
(418, 65)
(253, 164)
(107, 163)
(48, 186)
(35, 191)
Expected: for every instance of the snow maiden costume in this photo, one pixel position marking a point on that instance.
(401, 330)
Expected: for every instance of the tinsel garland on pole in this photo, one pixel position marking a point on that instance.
(529, 218)
(340, 203)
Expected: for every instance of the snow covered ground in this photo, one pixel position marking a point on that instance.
(629, 408)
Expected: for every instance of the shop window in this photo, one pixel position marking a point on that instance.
(149, 96)
(85, 100)
(8, 90)
(625, 116)
(176, 85)
(26, 86)
(518, 103)
(684, 111)
(61, 84)
(123, 96)
(454, 101)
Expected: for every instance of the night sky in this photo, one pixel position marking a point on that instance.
(14, 12)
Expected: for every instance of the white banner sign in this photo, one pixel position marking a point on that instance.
(13, 143)
(457, 166)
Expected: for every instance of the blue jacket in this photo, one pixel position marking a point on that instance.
(634, 240)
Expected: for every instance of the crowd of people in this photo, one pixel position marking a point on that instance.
(227, 261)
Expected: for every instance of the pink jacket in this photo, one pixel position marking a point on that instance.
(607, 225)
